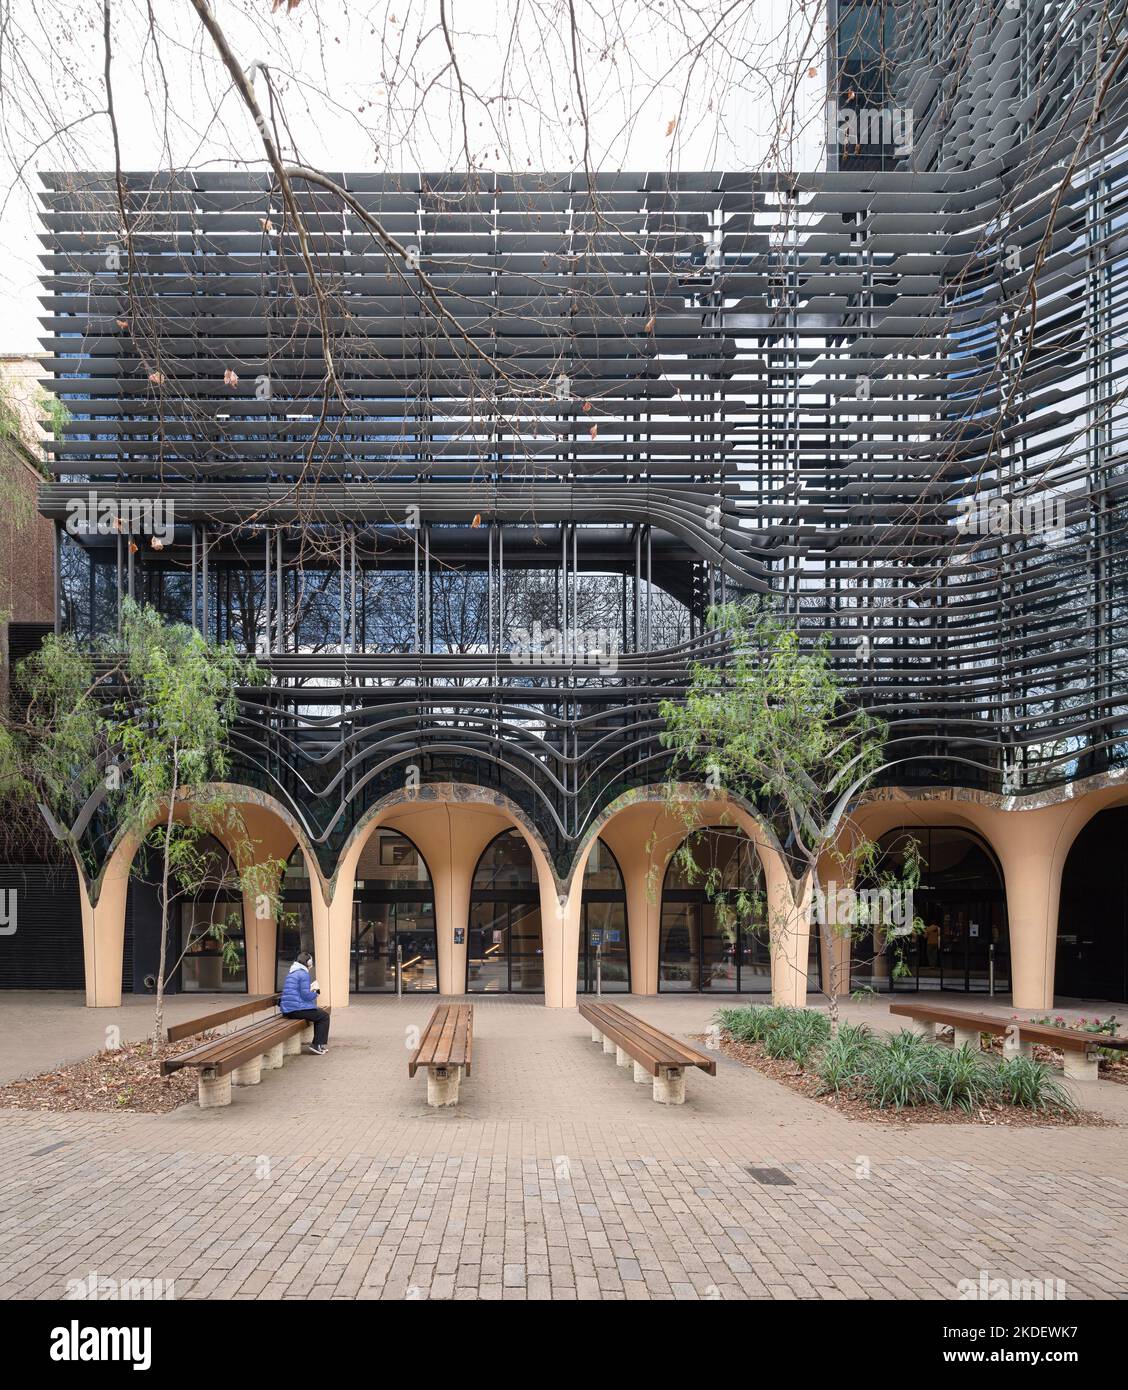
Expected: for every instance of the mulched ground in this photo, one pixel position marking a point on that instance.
(126, 1080)
(807, 1084)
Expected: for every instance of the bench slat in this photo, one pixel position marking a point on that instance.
(962, 1018)
(177, 1032)
(648, 1045)
(218, 1051)
(447, 1040)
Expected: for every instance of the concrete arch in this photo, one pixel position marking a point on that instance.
(643, 835)
(271, 833)
(1031, 838)
(451, 823)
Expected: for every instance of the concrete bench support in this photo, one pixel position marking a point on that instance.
(249, 1074)
(292, 1047)
(596, 1035)
(1014, 1046)
(623, 1059)
(1081, 1066)
(307, 1036)
(274, 1060)
(214, 1091)
(641, 1075)
(669, 1086)
(442, 1085)
(970, 1036)
(608, 1045)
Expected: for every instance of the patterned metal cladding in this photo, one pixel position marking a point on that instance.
(888, 397)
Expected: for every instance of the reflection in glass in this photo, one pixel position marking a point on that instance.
(604, 948)
(703, 942)
(505, 952)
(962, 904)
(218, 902)
(393, 912)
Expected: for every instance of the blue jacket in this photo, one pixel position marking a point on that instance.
(296, 993)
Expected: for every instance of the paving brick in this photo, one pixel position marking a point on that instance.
(555, 1177)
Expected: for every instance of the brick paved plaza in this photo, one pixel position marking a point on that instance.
(556, 1177)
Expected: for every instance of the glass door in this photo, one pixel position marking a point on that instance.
(382, 926)
(718, 947)
(373, 953)
(605, 922)
(487, 955)
(526, 955)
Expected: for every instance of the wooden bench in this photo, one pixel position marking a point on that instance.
(240, 1057)
(653, 1053)
(446, 1050)
(1079, 1050)
(257, 1003)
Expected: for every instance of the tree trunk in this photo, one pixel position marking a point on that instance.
(158, 1021)
(828, 945)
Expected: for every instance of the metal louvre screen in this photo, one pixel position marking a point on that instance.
(888, 398)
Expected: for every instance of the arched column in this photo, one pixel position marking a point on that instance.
(789, 929)
(267, 839)
(103, 928)
(265, 831)
(635, 838)
(644, 835)
(332, 941)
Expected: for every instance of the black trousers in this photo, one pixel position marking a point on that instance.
(320, 1020)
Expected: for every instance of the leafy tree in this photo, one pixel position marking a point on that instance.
(143, 726)
(769, 721)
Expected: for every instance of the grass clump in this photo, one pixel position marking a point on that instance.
(899, 1071)
(1032, 1085)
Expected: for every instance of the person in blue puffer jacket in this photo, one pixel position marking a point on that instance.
(299, 1000)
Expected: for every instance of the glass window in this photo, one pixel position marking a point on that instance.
(707, 941)
(393, 918)
(217, 905)
(604, 957)
(505, 951)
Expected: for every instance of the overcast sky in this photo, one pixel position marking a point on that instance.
(371, 86)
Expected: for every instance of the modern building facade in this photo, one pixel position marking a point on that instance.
(467, 462)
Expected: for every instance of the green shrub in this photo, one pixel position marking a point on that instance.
(899, 1072)
(1030, 1084)
(750, 1025)
(798, 1034)
(961, 1077)
(843, 1058)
